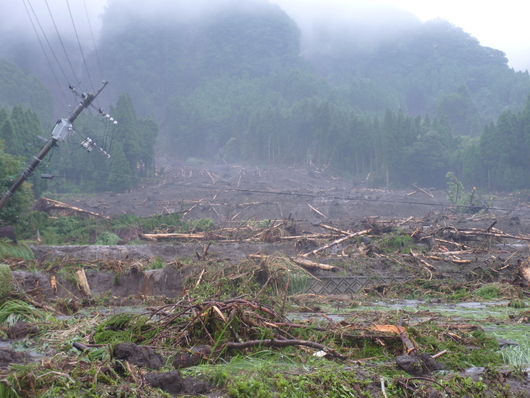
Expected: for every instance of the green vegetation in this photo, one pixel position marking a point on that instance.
(10, 167)
(449, 290)
(464, 202)
(406, 108)
(18, 87)
(80, 230)
(16, 250)
(7, 283)
(125, 328)
(289, 372)
(14, 311)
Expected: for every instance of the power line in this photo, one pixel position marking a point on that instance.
(80, 47)
(93, 41)
(45, 53)
(296, 194)
(62, 44)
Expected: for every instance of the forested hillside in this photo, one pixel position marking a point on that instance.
(230, 82)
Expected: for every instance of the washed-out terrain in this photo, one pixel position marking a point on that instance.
(399, 291)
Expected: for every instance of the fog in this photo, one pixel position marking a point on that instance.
(369, 21)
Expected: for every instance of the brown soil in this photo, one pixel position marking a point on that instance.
(231, 194)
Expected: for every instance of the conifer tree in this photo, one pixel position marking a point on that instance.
(127, 133)
(8, 135)
(10, 167)
(119, 179)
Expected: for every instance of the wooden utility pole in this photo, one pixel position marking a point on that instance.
(61, 131)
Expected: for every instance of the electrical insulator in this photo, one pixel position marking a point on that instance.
(88, 144)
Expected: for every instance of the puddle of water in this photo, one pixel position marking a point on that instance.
(298, 316)
(465, 310)
(34, 355)
(468, 309)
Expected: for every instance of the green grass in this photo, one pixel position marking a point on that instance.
(81, 230)
(268, 374)
(16, 250)
(14, 311)
(515, 355)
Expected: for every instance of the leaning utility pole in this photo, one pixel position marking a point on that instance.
(61, 131)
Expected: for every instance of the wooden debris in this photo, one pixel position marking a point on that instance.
(198, 236)
(55, 208)
(285, 343)
(303, 262)
(423, 190)
(524, 271)
(83, 282)
(336, 242)
(401, 332)
(316, 210)
(312, 265)
(440, 354)
(204, 253)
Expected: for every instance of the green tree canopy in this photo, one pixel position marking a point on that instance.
(10, 167)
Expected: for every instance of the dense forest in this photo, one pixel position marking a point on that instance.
(237, 81)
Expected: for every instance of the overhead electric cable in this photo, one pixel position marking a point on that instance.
(62, 44)
(93, 41)
(46, 54)
(300, 194)
(80, 47)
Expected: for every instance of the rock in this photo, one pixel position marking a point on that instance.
(170, 382)
(504, 343)
(191, 358)
(410, 364)
(22, 329)
(9, 356)
(173, 383)
(475, 373)
(418, 365)
(137, 355)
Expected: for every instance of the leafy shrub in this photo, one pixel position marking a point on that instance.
(107, 238)
(7, 282)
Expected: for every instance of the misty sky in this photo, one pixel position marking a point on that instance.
(501, 25)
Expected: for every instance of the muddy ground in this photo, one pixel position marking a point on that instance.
(229, 194)
(292, 205)
(234, 195)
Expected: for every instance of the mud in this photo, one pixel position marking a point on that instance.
(228, 194)
(167, 282)
(144, 357)
(9, 356)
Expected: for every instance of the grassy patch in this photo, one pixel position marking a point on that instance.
(14, 311)
(81, 230)
(16, 250)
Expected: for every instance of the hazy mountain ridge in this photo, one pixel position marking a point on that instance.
(242, 81)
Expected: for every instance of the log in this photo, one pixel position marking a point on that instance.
(284, 343)
(340, 231)
(424, 191)
(311, 236)
(302, 262)
(83, 282)
(336, 242)
(200, 236)
(50, 206)
(313, 265)
(316, 210)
